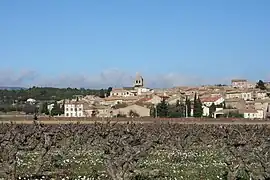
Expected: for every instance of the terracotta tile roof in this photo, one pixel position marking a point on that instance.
(163, 96)
(114, 98)
(144, 99)
(210, 99)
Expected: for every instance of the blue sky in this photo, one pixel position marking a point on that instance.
(176, 39)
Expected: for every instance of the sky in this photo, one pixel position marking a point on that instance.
(101, 43)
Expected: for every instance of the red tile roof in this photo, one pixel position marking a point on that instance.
(210, 99)
(163, 96)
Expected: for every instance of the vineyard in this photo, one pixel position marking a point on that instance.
(135, 151)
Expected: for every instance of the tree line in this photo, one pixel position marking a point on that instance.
(14, 100)
(48, 94)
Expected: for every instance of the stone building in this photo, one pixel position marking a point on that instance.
(138, 82)
(137, 89)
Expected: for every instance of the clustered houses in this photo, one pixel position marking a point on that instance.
(241, 97)
(242, 83)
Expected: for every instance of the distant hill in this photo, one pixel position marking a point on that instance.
(11, 88)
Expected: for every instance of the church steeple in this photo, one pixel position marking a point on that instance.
(138, 82)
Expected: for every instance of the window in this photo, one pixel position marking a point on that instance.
(67, 114)
(80, 109)
(71, 114)
(75, 109)
(79, 114)
(71, 109)
(66, 109)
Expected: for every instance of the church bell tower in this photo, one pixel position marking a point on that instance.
(138, 82)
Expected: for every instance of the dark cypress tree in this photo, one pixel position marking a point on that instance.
(198, 110)
(162, 109)
(102, 93)
(45, 108)
(261, 85)
(188, 107)
(182, 109)
(212, 109)
(63, 107)
(108, 91)
(56, 110)
(195, 106)
(175, 111)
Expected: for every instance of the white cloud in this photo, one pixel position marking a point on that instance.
(109, 77)
(17, 78)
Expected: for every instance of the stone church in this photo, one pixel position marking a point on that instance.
(137, 89)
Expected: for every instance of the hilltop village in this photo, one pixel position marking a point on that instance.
(239, 99)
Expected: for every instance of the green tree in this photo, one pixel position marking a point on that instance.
(198, 110)
(162, 109)
(212, 109)
(234, 115)
(56, 110)
(108, 91)
(45, 108)
(153, 111)
(63, 107)
(188, 107)
(261, 85)
(43, 94)
(177, 110)
(102, 93)
(30, 109)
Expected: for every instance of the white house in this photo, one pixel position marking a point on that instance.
(246, 95)
(74, 109)
(123, 92)
(207, 101)
(206, 111)
(31, 101)
(50, 107)
(261, 94)
(253, 114)
(143, 90)
(233, 95)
